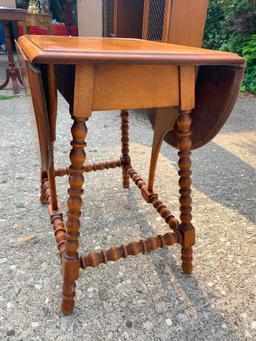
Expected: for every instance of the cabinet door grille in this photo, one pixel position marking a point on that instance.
(156, 19)
(109, 18)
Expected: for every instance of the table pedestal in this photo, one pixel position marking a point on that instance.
(12, 73)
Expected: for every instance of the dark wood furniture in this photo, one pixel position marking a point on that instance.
(101, 74)
(39, 19)
(174, 21)
(7, 16)
(123, 18)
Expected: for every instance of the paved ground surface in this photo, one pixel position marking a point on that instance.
(142, 298)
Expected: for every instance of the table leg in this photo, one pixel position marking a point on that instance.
(48, 187)
(52, 185)
(186, 228)
(125, 158)
(43, 197)
(11, 72)
(70, 261)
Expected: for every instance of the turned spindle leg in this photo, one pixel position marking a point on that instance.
(186, 228)
(43, 196)
(70, 261)
(48, 188)
(125, 158)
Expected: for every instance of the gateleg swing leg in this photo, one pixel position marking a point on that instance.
(164, 122)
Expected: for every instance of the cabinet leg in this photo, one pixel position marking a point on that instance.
(125, 158)
(186, 228)
(70, 261)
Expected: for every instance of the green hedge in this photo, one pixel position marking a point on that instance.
(231, 26)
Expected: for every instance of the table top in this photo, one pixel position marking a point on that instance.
(74, 50)
(12, 14)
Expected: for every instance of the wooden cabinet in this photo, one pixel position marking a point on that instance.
(39, 19)
(155, 15)
(176, 21)
(123, 18)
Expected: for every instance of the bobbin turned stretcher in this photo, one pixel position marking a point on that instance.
(102, 74)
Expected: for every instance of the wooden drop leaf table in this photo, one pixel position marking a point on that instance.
(189, 92)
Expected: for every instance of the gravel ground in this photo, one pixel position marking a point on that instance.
(142, 298)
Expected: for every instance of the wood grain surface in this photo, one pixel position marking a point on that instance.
(73, 50)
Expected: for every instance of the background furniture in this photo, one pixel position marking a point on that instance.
(8, 3)
(58, 29)
(123, 18)
(89, 18)
(178, 22)
(97, 74)
(174, 21)
(7, 16)
(39, 19)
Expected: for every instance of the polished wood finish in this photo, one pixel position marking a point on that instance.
(152, 198)
(83, 94)
(74, 50)
(34, 87)
(187, 22)
(145, 19)
(186, 228)
(174, 21)
(217, 88)
(128, 18)
(125, 158)
(71, 261)
(118, 74)
(52, 100)
(89, 167)
(123, 18)
(112, 88)
(39, 19)
(166, 23)
(12, 14)
(56, 215)
(52, 185)
(43, 189)
(150, 244)
(7, 16)
(164, 121)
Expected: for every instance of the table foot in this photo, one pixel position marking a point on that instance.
(14, 74)
(186, 257)
(70, 260)
(4, 85)
(125, 158)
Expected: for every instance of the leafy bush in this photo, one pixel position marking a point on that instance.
(249, 52)
(231, 26)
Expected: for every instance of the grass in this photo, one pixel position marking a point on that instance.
(3, 97)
